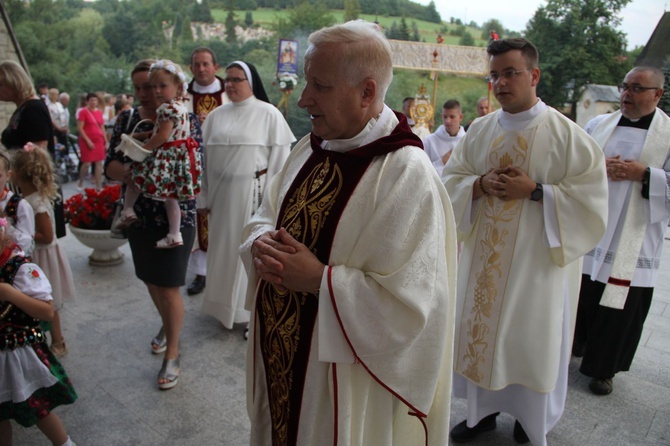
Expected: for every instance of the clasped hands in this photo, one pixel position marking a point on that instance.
(508, 183)
(622, 170)
(285, 262)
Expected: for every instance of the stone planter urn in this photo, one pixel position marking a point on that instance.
(105, 249)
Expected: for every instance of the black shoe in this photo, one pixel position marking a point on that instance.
(461, 433)
(578, 349)
(520, 434)
(196, 286)
(601, 386)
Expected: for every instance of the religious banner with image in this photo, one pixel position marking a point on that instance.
(287, 71)
(287, 59)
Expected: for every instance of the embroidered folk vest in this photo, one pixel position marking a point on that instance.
(17, 329)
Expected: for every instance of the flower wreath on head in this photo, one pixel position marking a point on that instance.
(162, 65)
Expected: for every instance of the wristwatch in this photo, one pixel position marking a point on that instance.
(538, 193)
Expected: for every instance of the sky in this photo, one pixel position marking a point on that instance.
(639, 17)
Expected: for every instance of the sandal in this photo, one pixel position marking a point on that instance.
(128, 218)
(170, 241)
(159, 343)
(59, 349)
(170, 372)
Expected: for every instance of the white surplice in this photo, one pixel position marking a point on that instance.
(382, 343)
(438, 144)
(629, 143)
(240, 139)
(521, 263)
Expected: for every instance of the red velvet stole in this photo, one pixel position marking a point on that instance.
(205, 102)
(310, 212)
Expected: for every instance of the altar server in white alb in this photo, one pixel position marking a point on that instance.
(620, 273)
(529, 191)
(352, 262)
(438, 145)
(246, 142)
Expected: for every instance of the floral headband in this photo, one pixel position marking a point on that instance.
(172, 68)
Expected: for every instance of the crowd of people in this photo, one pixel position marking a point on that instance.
(376, 273)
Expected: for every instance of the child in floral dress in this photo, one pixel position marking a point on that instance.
(172, 171)
(32, 382)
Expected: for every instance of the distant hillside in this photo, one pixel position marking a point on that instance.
(396, 8)
(428, 31)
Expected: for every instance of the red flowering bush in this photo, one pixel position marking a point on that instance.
(92, 209)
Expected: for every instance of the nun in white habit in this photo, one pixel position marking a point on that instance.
(245, 142)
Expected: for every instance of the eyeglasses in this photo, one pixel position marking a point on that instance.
(635, 88)
(234, 80)
(507, 75)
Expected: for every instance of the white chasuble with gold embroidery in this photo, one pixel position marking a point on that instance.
(521, 258)
(380, 355)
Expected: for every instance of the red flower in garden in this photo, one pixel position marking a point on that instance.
(93, 209)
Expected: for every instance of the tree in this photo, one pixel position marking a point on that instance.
(431, 13)
(200, 12)
(303, 20)
(186, 32)
(492, 25)
(393, 32)
(467, 40)
(248, 19)
(352, 10)
(231, 36)
(415, 32)
(578, 44)
(403, 30)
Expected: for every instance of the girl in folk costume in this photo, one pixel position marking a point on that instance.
(172, 171)
(16, 210)
(33, 172)
(32, 381)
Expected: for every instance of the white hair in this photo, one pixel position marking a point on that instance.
(363, 49)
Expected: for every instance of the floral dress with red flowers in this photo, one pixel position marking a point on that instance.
(32, 382)
(174, 169)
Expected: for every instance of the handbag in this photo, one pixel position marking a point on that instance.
(131, 147)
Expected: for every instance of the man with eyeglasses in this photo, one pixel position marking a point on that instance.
(529, 192)
(620, 273)
(206, 92)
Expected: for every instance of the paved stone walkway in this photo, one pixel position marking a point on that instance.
(109, 327)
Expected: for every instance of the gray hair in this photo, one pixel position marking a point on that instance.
(365, 52)
(657, 76)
